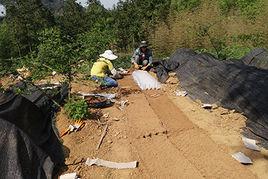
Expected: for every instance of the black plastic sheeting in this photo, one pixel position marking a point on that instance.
(257, 57)
(229, 84)
(29, 146)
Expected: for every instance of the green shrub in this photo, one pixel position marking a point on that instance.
(255, 39)
(94, 43)
(76, 108)
(123, 61)
(185, 4)
(235, 51)
(84, 67)
(53, 52)
(247, 8)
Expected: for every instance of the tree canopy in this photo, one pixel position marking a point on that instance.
(32, 32)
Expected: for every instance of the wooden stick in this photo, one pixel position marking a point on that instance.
(102, 137)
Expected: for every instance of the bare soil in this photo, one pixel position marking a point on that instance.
(170, 137)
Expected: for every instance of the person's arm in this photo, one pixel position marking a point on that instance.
(150, 58)
(135, 59)
(113, 72)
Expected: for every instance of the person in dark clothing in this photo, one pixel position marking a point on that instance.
(142, 57)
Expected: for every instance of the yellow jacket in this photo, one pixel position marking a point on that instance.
(101, 67)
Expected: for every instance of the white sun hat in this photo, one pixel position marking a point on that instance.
(109, 55)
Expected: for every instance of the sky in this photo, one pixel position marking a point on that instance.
(107, 3)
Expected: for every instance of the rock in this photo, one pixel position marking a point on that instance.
(116, 119)
(172, 80)
(106, 115)
(232, 111)
(215, 106)
(172, 74)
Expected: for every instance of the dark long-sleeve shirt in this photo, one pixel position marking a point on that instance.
(140, 56)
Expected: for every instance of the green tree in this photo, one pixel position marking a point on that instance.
(6, 46)
(54, 52)
(73, 19)
(25, 19)
(94, 42)
(97, 16)
(135, 20)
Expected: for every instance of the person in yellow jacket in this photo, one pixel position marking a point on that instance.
(103, 68)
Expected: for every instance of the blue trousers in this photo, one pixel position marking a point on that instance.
(105, 81)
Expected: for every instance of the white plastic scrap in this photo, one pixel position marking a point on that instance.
(74, 128)
(145, 81)
(122, 71)
(108, 164)
(51, 86)
(123, 104)
(54, 73)
(242, 158)
(206, 106)
(250, 144)
(108, 96)
(181, 93)
(69, 176)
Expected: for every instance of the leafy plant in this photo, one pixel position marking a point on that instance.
(94, 42)
(53, 51)
(247, 8)
(76, 108)
(84, 67)
(124, 61)
(185, 4)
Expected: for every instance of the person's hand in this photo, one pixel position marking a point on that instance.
(136, 66)
(144, 68)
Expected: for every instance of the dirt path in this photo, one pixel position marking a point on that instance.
(155, 132)
(225, 127)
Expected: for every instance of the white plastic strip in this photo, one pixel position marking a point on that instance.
(242, 158)
(69, 176)
(145, 81)
(108, 164)
(108, 96)
(251, 144)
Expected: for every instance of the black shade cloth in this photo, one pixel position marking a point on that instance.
(29, 146)
(257, 57)
(229, 84)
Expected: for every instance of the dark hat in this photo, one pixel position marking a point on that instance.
(143, 44)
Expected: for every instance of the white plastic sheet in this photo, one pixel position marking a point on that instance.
(145, 81)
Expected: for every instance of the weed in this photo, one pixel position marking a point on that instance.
(76, 108)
